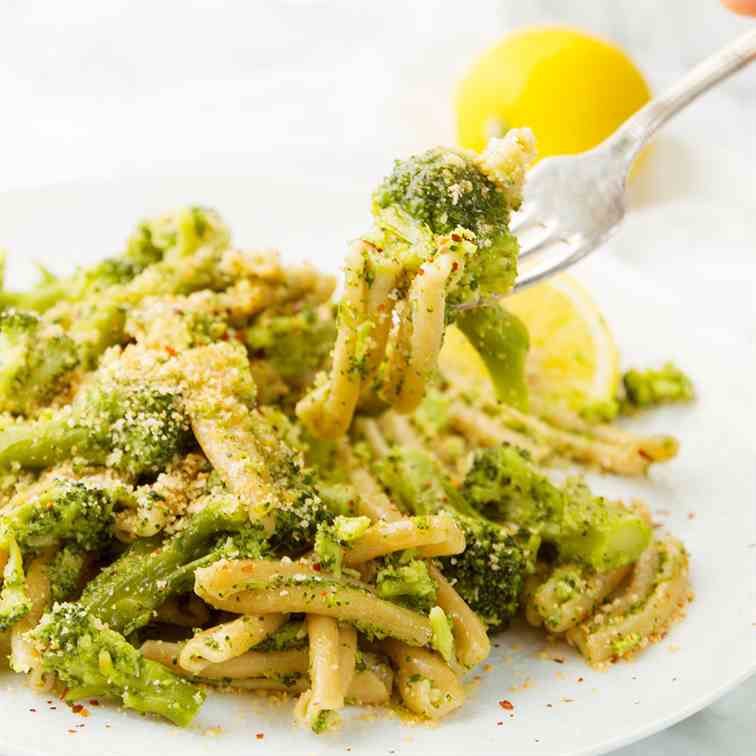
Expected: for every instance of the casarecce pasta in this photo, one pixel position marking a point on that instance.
(269, 491)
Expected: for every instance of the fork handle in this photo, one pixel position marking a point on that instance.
(639, 128)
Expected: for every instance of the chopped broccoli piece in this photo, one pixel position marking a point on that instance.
(135, 428)
(65, 572)
(92, 659)
(126, 594)
(502, 341)
(77, 511)
(443, 639)
(34, 361)
(583, 527)
(647, 388)
(296, 345)
(448, 191)
(490, 573)
(74, 512)
(333, 537)
(14, 598)
(291, 635)
(405, 580)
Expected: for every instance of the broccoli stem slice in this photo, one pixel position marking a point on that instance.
(91, 659)
(502, 341)
(126, 594)
(41, 443)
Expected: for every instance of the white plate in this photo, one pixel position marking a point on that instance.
(663, 291)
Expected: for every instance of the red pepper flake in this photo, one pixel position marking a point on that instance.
(691, 515)
(49, 700)
(260, 735)
(171, 351)
(456, 237)
(33, 711)
(420, 272)
(499, 724)
(580, 679)
(455, 266)
(316, 566)
(72, 732)
(506, 705)
(94, 702)
(80, 710)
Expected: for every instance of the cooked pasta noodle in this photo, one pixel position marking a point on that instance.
(318, 705)
(288, 588)
(570, 594)
(426, 684)
(643, 611)
(228, 640)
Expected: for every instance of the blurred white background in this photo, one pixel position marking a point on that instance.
(332, 88)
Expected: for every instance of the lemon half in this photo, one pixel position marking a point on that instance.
(573, 357)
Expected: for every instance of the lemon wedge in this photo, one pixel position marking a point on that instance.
(573, 358)
(572, 89)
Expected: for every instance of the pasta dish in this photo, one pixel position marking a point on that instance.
(214, 476)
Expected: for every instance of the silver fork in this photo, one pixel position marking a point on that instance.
(574, 203)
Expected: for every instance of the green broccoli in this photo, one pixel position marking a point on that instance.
(34, 360)
(182, 232)
(333, 537)
(405, 580)
(647, 388)
(583, 527)
(65, 572)
(74, 512)
(296, 345)
(443, 638)
(289, 636)
(91, 659)
(134, 428)
(502, 341)
(490, 573)
(450, 191)
(126, 594)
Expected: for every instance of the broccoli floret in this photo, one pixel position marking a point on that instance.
(405, 580)
(296, 345)
(583, 527)
(134, 428)
(126, 594)
(647, 388)
(332, 538)
(490, 573)
(76, 511)
(34, 361)
(502, 341)
(450, 191)
(91, 659)
(73, 512)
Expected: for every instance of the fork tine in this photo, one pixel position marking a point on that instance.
(536, 241)
(558, 258)
(523, 218)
